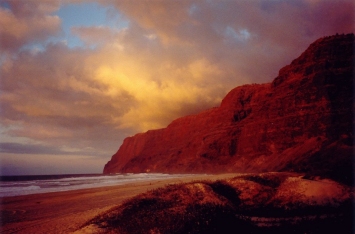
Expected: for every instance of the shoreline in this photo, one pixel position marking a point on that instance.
(67, 211)
(70, 182)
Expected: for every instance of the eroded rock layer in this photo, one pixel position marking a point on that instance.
(302, 121)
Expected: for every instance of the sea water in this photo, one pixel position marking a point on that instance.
(24, 185)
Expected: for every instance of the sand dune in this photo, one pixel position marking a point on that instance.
(274, 202)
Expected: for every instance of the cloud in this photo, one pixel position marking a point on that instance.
(20, 148)
(277, 29)
(163, 17)
(27, 22)
(96, 35)
(49, 164)
(52, 96)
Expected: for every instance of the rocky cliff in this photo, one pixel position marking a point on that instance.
(302, 121)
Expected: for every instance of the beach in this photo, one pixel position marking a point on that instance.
(66, 212)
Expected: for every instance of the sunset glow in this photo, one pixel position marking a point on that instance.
(77, 77)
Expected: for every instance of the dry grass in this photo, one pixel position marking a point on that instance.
(224, 207)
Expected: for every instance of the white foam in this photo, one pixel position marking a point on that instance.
(15, 188)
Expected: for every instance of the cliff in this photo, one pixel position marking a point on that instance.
(302, 121)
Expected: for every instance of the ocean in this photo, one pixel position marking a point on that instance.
(33, 184)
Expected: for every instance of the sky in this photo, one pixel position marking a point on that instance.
(77, 77)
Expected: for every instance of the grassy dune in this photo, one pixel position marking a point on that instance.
(253, 203)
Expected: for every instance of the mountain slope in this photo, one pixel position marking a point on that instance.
(302, 121)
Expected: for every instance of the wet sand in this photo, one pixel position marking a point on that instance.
(65, 212)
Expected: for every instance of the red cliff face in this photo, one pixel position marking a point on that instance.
(302, 121)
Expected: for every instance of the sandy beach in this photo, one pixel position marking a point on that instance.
(65, 212)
